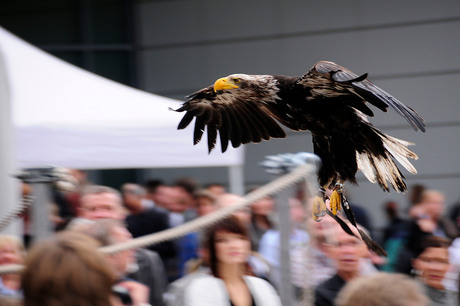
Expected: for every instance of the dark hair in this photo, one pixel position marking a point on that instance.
(431, 242)
(230, 225)
(152, 185)
(188, 184)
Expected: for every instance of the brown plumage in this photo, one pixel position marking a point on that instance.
(329, 100)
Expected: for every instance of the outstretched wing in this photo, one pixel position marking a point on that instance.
(237, 118)
(364, 88)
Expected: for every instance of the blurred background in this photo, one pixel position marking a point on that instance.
(175, 47)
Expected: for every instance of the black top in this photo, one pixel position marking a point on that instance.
(252, 304)
(326, 292)
(151, 221)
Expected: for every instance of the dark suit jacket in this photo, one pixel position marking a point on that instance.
(151, 272)
(326, 292)
(151, 221)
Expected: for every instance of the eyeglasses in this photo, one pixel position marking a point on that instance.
(434, 260)
(346, 243)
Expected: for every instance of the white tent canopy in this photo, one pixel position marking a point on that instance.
(68, 117)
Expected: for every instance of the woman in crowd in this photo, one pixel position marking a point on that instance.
(67, 269)
(11, 252)
(261, 211)
(430, 265)
(230, 284)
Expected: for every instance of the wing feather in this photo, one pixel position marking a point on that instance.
(369, 91)
(237, 119)
(199, 129)
(224, 131)
(188, 117)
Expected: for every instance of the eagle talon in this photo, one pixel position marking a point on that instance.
(319, 209)
(335, 202)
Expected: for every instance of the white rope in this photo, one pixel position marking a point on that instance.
(207, 220)
(16, 212)
(273, 187)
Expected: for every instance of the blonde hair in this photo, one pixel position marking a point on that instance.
(67, 269)
(382, 289)
(4, 239)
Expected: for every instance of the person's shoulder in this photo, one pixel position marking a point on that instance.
(257, 282)
(270, 237)
(157, 211)
(331, 282)
(204, 281)
(186, 280)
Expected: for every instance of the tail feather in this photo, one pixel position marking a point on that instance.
(382, 169)
(398, 149)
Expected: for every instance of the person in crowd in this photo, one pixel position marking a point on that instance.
(452, 281)
(396, 226)
(194, 268)
(205, 202)
(455, 215)
(347, 252)
(382, 289)
(108, 232)
(322, 234)
(143, 221)
(187, 187)
(395, 235)
(230, 283)
(261, 214)
(269, 246)
(153, 190)
(177, 200)
(189, 245)
(259, 265)
(73, 197)
(428, 220)
(414, 196)
(67, 269)
(136, 193)
(102, 202)
(11, 252)
(430, 265)
(216, 189)
(431, 220)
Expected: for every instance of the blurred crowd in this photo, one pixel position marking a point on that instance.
(237, 261)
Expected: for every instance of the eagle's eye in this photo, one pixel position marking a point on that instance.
(236, 80)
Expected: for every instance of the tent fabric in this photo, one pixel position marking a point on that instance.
(68, 117)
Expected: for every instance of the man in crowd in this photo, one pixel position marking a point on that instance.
(108, 232)
(347, 251)
(101, 202)
(142, 220)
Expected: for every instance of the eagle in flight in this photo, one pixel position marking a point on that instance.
(330, 102)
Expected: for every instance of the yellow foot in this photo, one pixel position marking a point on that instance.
(336, 198)
(335, 201)
(319, 208)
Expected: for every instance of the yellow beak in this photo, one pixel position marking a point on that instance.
(224, 83)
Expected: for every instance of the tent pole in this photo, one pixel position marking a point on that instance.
(282, 207)
(236, 179)
(9, 188)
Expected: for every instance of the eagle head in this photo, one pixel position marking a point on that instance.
(232, 81)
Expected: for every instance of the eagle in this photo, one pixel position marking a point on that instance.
(330, 101)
